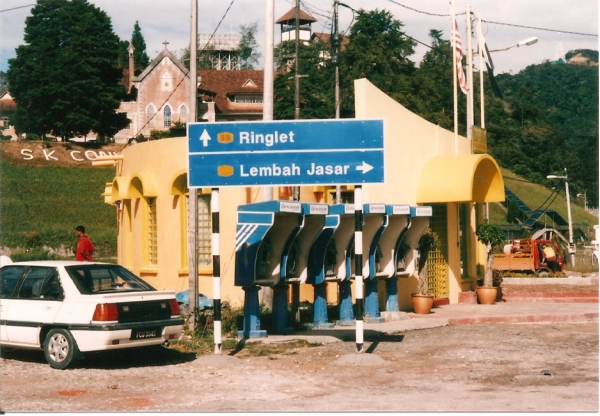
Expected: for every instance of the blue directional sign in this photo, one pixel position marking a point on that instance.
(307, 152)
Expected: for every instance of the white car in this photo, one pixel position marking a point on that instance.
(69, 307)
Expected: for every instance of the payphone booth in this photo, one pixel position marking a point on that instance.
(395, 254)
(294, 262)
(329, 260)
(373, 228)
(406, 256)
(393, 257)
(263, 230)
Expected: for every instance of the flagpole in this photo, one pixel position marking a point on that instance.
(454, 75)
(470, 94)
(481, 45)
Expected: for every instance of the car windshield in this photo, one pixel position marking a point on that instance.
(98, 278)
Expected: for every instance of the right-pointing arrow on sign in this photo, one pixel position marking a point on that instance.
(365, 167)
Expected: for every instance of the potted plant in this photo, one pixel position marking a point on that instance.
(491, 235)
(422, 301)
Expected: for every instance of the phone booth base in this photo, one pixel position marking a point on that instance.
(280, 310)
(251, 314)
(372, 302)
(391, 289)
(345, 304)
(320, 318)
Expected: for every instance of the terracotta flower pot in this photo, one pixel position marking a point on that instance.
(487, 295)
(422, 304)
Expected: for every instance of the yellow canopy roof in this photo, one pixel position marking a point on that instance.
(461, 178)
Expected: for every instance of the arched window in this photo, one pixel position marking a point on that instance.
(150, 112)
(167, 116)
(183, 114)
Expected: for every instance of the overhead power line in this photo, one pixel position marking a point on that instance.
(15, 8)
(493, 22)
(539, 28)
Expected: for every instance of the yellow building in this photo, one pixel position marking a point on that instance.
(425, 165)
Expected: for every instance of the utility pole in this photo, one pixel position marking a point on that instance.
(193, 191)
(296, 189)
(336, 51)
(297, 64)
(266, 293)
(267, 191)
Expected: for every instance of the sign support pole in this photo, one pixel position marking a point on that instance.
(216, 255)
(358, 251)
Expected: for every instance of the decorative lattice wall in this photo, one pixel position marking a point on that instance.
(438, 275)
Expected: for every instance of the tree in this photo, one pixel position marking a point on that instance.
(317, 99)
(248, 54)
(433, 97)
(378, 50)
(65, 79)
(140, 56)
(491, 235)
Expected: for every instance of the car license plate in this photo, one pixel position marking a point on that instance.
(145, 333)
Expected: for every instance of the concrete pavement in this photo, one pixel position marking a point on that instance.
(524, 300)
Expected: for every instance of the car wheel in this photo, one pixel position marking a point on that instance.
(60, 348)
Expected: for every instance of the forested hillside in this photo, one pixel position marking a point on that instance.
(553, 124)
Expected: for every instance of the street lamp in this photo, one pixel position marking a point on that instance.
(571, 245)
(524, 42)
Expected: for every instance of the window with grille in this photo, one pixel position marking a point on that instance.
(152, 233)
(167, 116)
(204, 230)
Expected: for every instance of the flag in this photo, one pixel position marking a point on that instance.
(485, 53)
(460, 73)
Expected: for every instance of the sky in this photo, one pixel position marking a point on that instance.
(559, 25)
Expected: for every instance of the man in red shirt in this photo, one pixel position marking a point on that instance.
(85, 248)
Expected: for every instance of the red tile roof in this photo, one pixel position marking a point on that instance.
(291, 17)
(217, 85)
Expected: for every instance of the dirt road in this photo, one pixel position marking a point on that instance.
(482, 367)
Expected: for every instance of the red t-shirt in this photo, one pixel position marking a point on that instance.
(85, 248)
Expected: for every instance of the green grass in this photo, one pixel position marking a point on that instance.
(536, 196)
(41, 206)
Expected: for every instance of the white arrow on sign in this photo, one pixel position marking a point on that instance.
(365, 167)
(204, 138)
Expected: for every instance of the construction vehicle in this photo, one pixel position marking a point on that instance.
(526, 255)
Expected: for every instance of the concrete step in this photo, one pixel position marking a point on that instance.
(578, 297)
(556, 297)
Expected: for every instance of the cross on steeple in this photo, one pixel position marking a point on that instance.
(165, 43)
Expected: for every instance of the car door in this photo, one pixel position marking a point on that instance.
(35, 302)
(9, 277)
